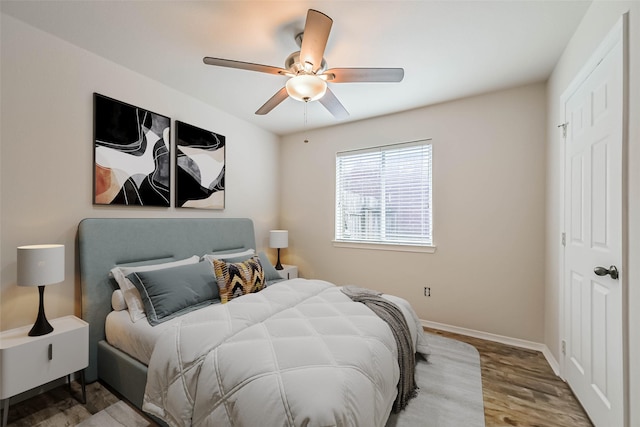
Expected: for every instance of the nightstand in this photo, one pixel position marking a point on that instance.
(288, 271)
(28, 362)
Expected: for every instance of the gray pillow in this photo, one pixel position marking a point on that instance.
(171, 292)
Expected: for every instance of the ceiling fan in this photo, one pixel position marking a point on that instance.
(308, 71)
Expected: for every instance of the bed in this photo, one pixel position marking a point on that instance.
(231, 361)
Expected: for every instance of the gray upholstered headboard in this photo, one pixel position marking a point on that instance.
(105, 243)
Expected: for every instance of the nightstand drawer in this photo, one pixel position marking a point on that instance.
(28, 362)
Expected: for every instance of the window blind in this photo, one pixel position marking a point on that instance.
(383, 194)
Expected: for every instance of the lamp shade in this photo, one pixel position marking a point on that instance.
(278, 238)
(306, 87)
(40, 265)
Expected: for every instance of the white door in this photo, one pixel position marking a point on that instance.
(593, 362)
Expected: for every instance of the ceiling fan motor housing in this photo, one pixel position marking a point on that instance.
(293, 64)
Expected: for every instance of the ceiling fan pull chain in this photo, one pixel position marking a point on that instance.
(305, 121)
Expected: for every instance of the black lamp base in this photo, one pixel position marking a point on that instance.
(278, 265)
(42, 325)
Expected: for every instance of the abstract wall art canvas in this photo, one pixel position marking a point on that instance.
(200, 168)
(131, 155)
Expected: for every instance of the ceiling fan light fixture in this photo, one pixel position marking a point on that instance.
(306, 87)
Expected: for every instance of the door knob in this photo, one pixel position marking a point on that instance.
(612, 271)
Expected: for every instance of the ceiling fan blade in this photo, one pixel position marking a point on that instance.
(229, 63)
(273, 102)
(314, 38)
(355, 75)
(334, 106)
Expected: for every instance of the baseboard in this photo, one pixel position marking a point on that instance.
(515, 342)
(551, 360)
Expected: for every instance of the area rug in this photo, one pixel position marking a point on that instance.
(450, 388)
(119, 414)
(449, 395)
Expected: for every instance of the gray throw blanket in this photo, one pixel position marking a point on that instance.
(393, 316)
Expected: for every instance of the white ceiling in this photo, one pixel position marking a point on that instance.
(448, 49)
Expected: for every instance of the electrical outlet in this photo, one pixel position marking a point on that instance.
(427, 291)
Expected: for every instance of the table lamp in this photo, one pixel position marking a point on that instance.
(278, 239)
(40, 265)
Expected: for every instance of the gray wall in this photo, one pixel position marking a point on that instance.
(46, 173)
(487, 273)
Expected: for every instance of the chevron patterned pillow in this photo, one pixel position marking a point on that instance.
(238, 278)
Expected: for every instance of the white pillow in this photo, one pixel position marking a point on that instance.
(129, 291)
(228, 255)
(117, 300)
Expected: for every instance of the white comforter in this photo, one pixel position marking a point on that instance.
(299, 353)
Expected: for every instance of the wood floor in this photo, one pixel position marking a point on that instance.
(519, 389)
(59, 408)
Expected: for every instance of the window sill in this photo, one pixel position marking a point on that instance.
(384, 246)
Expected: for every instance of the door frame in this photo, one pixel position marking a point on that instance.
(618, 33)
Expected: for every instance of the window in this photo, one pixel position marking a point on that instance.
(383, 195)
